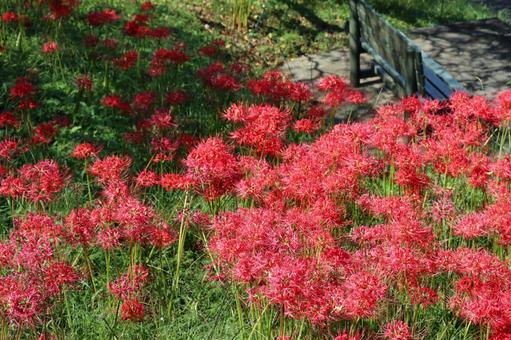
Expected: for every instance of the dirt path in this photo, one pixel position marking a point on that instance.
(475, 53)
(311, 68)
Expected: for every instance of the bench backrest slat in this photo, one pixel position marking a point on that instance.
(436, 76)
(432, 91)
(388, 42)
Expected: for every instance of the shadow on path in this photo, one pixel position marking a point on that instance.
(476, 53)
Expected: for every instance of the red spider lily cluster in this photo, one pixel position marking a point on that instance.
(32, 275)
(127, 287)
(349, 228)
(299, 250)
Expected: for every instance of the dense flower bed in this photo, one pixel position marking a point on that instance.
(395, 227)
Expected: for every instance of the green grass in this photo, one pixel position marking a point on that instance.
(409, 14)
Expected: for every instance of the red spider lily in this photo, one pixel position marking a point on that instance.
(43, 180)
(138, 27)
(443, 208)
(504, 100)
(9, 16)
(130, 283)
(80, 227)
(163, 56)
(348, 336)
(396, 209)
(501, 110)
(110, 168)
(8, 119)
(211, 49)
(58, 275)
(494, 219)
(177, 97)
(276, 87)
(482, 294)
(50, 47)
(397, 330)
(8, 149)
(147, 178)
(11, 186)
(38, 225)
(411, 168)
(176, 181)
(103, 17)
(116, 102)
(264, 127)
(132, 310)
(224, 82)
(299, 92)
(84, 83)
(259, 178)
(162, 236)
(333, 165)
(126, 219)
(126, 61)
(147, 6)
(38, 182)
(85, 151)
(208, 51)
(25, 304)
(32, 278)
(159, 33)
(423, 296)
(109, 239)
(306, 125)
(162, 120)
(60, 8)
(22, 88)
(34, 251)
(212, 168)
(164, 149)
(144, 100)
(200, 219)
(339, 92)
(465, 106)
(216, 77)
(111, 43)
(44, 133)
(473, 225)
(133, 28)
(501, 169)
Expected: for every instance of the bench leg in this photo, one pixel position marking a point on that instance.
(355, 48)
(410, 73)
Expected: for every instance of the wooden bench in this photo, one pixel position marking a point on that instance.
(395, 56)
